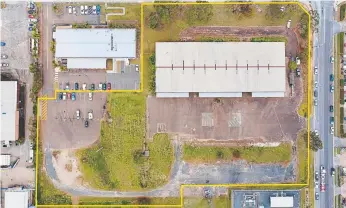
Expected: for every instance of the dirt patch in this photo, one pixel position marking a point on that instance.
(66, 167)
(192, 33)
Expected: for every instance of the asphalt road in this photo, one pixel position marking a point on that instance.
(323, 51)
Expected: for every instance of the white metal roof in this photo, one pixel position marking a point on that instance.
(220, 67)
(17, 199)
(281, 202)
(95, 43)
(8, 110)
(86, 63)
(5, 160)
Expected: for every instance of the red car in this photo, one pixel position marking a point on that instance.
(31, 16)
(323, 187)
(68, 95)
(109, 86)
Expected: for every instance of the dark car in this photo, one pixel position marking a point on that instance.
(109, 86)
(298, 72)
(60, 95)
(317, 176)
(104, 86)
(31, 11)
(331, 108)
(92, 87)
(331, 77)
(86, 124)
(315, 93)
(76, 86)
(332, 171)
(98, 9)
(30, 28)
(3, 43)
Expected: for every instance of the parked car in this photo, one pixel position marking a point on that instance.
(331, 88)
(90, 115)
(98, 9)
(82, 9)
(30, 28)
(31, 11)
(78, 114)
(332, 130)
(331, 108)
(90, 96)
(70, 9)
(5, 65)
(104, 86)
(92, 87)
(86, 124)
(3, 43)
(86, 9)
(317, 196)
(316, 84)
(94, 10)
(315, 93)
(90, 9)
(31, 16)
(60, 96)
(317, 184)
(68, 95)
(331, 59)
(315, 70)
(74, 10)
(137, 68)
(331, 77)
(315, 102)
(30, 25)
(84, 86)
(109, 86)
(64, 96)
(297, 72)
(100, 86)
(317, 176)
(331, 120)
(73, 96)
(332, 171)
(33, 20)
(76, 86)
(4, 56)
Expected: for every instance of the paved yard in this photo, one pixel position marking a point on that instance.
(240, 119)
(63, 130)
(67, 18)
(262, 198)
(14, 32)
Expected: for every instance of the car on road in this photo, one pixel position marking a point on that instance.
(30, 28)
(86, 124)
(31, 11)
(78, 114)
(33, 20)
(3, 56)
(137, 68)
(109, 86)
(331, 77)
(68, 95)
(73, 96)
(70, 9)
(82, 9)
(317, 196)
(5, 65)
(100, 86)
(315, 70)
(64, 96)
(86, 9)
(316, 132)
(331, 59)
(323, 187)
(317, 176)
(30, 24)
(331, 120)
(332, 130)
(315, 93)
(98, 9)
(90, 96)
(76, 86)
(31, 16)
(84, 86)
(316, 84)
(297, 72)
(104, 86)
(315, 102)
(332, 171)
(90, 115)
(331, 108)
(317, 184)
(323, 170)
(60, 96)
(331, 88)
(92, 87)
(3, 43)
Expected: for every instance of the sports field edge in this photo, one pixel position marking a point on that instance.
(142, 89)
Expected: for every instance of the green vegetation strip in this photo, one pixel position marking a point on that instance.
(269, 39)
(302, 158)
(129, 201)
(279, 154)
(342, 12)
(117, 162)
(195, 202)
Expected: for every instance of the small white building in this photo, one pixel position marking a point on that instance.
(5, 160)
(17, 199)
(281, 202)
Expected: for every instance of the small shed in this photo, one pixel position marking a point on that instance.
(5, 160)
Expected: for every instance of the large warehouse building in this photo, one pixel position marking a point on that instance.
(9, 112)
(90, 48)
(220, 69)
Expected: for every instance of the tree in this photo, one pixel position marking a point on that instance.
(154, 20)
(52, 46)
(304, 25)
(292, 65)
(315, 17)
(167, 13)
(202, 12)
(152, 59)
(315, 141)
(35, 34)
(241, 10)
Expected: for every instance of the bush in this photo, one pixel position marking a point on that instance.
(199, 13)
(154, 20)
(342, 83)
(342, 12)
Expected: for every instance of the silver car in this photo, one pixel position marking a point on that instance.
(4, 65)
(4, 56)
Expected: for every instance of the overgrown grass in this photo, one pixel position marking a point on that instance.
(270, 39)
(210, 154)
(338, 98)
(117, 162)
(132, 12)
(128, 201)
(342, 12)
(302, 151)
(196, 202)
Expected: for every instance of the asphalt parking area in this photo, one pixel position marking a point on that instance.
(241, 119)
(14, 32)
(63, 130)
(66, 18)
(129, 80)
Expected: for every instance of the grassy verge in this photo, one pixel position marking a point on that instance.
(337, 75)
(269, 39)
(302, 158)
(279, 154)
(128, 201)
(342, 12)
(338, 199)
(197, 202)
(117, 162)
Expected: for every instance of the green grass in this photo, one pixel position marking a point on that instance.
(269, 39)
(302, 158)
(120, 164)
(132, 12)
(197, 154)
(337, 74)
(342, 12)
(197, 202)
(128, 201)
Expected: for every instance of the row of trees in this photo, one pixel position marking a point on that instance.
(152, 74)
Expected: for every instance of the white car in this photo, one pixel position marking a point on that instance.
(90, 115)
(78, 114)
(90, 96)
(100, 86)
(86, 9)
(33, 20)
(332, 130)
(94, 9)
(316, 84)
(137, 68)
(315, 69)
(84, 86)
(81, 9)
(64, 96)
(74, 10)
(70, 9)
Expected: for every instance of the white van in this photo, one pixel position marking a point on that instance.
(31, 156)
(78, 114)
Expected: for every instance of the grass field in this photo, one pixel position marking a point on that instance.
(339, 44)
(196, 202)
(207, 154)
(132, 12)
(128, 201)
(117, 161)
(302, 158)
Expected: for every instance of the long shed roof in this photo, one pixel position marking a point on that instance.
(8, 110)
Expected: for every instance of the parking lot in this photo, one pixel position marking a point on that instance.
(129, 80)
(254, 199)
(15, 34)
(62, 129)
(66, 18)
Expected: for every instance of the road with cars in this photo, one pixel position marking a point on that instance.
(323, 51)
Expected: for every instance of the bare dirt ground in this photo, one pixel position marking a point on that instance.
(243, 32)
(238, 119)
(342, 157)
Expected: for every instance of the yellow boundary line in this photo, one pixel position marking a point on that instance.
(298, 185)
